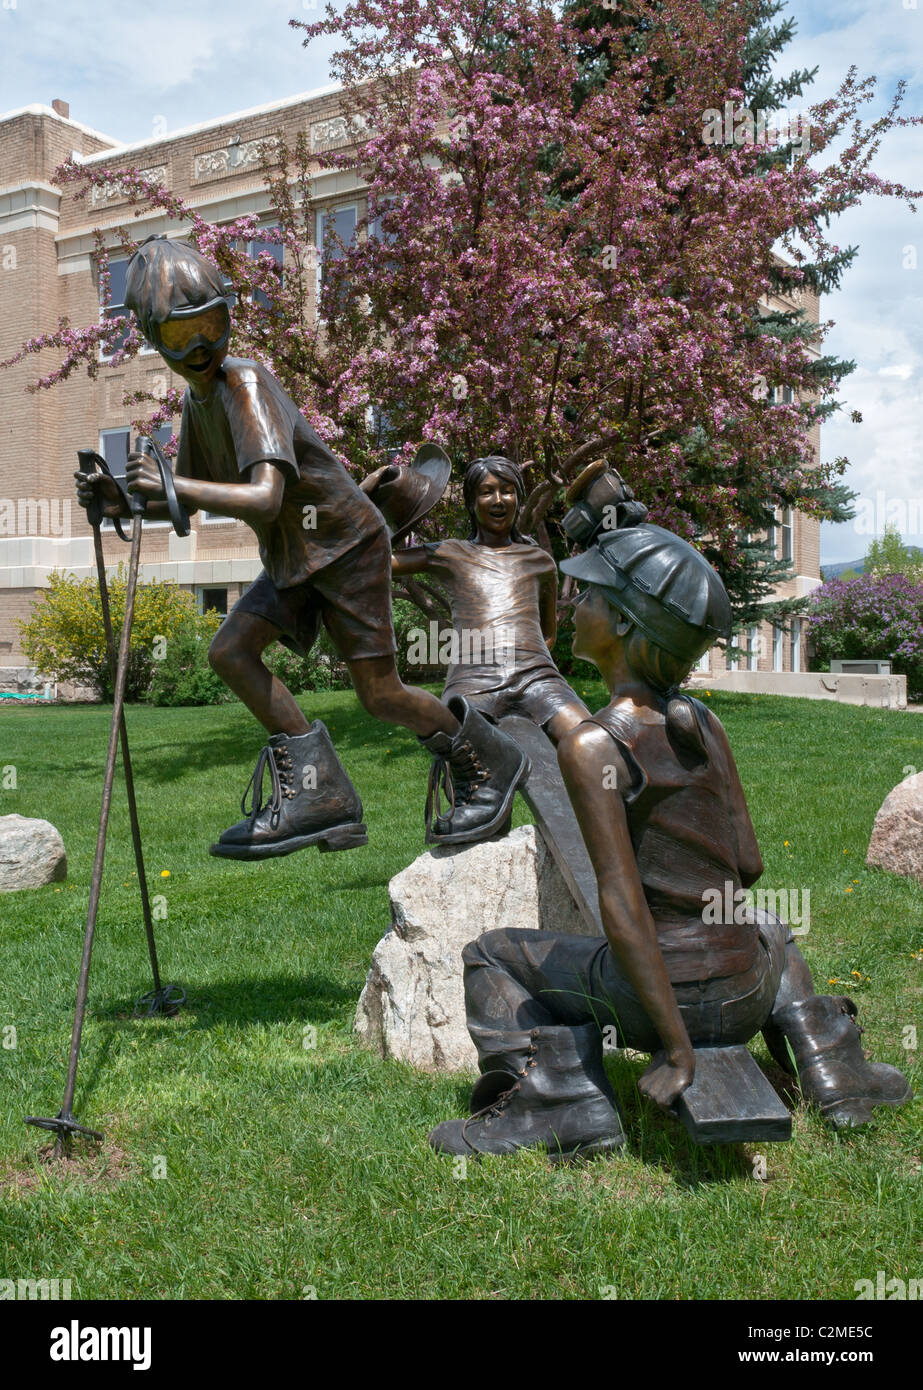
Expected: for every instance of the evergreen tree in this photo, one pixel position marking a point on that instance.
(754, 573)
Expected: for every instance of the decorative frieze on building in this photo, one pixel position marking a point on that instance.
(337, 131)
(235, 157)
(105, 194)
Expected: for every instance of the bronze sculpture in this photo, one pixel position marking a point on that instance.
(503, 591)
(246, 451)
(656, 792)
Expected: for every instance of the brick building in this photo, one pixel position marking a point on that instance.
(47, 271)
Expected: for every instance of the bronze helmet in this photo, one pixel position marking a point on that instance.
(662, 583)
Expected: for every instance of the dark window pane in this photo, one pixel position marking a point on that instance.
(118, 273)
(124, 319)
(115, 451)
(214, 600)
(341, 224)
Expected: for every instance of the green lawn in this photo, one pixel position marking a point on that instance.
(290, 1169)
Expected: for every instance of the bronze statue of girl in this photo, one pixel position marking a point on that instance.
(503, 590)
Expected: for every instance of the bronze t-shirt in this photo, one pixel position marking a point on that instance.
(249, 419)
(495, 597)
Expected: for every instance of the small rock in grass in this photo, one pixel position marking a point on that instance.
(31, 854)
(897, 836)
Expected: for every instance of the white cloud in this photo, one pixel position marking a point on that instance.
(878, 311)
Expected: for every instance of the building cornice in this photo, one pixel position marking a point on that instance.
(36, 109)
(202, 127)
(24, 206)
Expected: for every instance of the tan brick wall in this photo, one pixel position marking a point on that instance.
(17, 607)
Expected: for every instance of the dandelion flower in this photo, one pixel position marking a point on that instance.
(164, 873)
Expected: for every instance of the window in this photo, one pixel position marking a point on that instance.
(787, 534)
(116, 445)
(733, 662)
(796, 644)
(703, 664)
(334, 226)
(254, 247)
(753, 648)
(783, 395)
(777, 648)
(115, 307)
(211, 600)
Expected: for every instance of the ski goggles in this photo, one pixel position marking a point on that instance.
(177, 338)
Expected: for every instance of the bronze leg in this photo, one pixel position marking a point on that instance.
(234, 655)
(383, 694)
(567, 718)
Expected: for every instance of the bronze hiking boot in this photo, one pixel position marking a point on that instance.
(312, 801)
(558, 1099)
(479, 768)
(831, 1067)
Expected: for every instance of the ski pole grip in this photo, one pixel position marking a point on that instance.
(179, 517)
(92, 462)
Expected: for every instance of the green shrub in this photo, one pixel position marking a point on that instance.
(183, 676)
(64, 635)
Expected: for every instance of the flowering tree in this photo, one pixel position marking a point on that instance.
(878, 616)
(558, 266)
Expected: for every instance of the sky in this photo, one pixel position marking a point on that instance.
(134, 69)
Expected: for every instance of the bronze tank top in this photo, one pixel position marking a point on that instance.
(685, 841)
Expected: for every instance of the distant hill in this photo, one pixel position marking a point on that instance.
(834, 571)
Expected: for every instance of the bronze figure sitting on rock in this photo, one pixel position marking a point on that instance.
(655, 788)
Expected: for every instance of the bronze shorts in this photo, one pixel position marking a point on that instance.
(540, 700)
(352, 596)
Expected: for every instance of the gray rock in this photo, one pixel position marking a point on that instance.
(413, 1006)
(31, 854)
(897, 835)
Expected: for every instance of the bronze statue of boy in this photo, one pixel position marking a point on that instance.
(246, 451)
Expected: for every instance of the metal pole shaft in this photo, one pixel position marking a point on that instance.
(96, 879)
(126, 761)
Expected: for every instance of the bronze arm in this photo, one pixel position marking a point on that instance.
(589, 760)
(256, 500)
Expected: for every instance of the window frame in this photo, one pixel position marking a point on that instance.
(319, 215)
(104, 315)
(107, 523)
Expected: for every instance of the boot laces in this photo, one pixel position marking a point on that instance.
(498, 1105)
(458, 773)
(279, 762)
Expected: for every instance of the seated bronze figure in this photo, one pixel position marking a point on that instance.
(503, 589)
(658, 798)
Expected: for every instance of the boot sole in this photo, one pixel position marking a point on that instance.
(335, 838)
(600, 1148)
(835, 1115)
(500, 823)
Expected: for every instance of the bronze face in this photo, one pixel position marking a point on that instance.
(200, 367)
(495, 507)
(593, 626)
